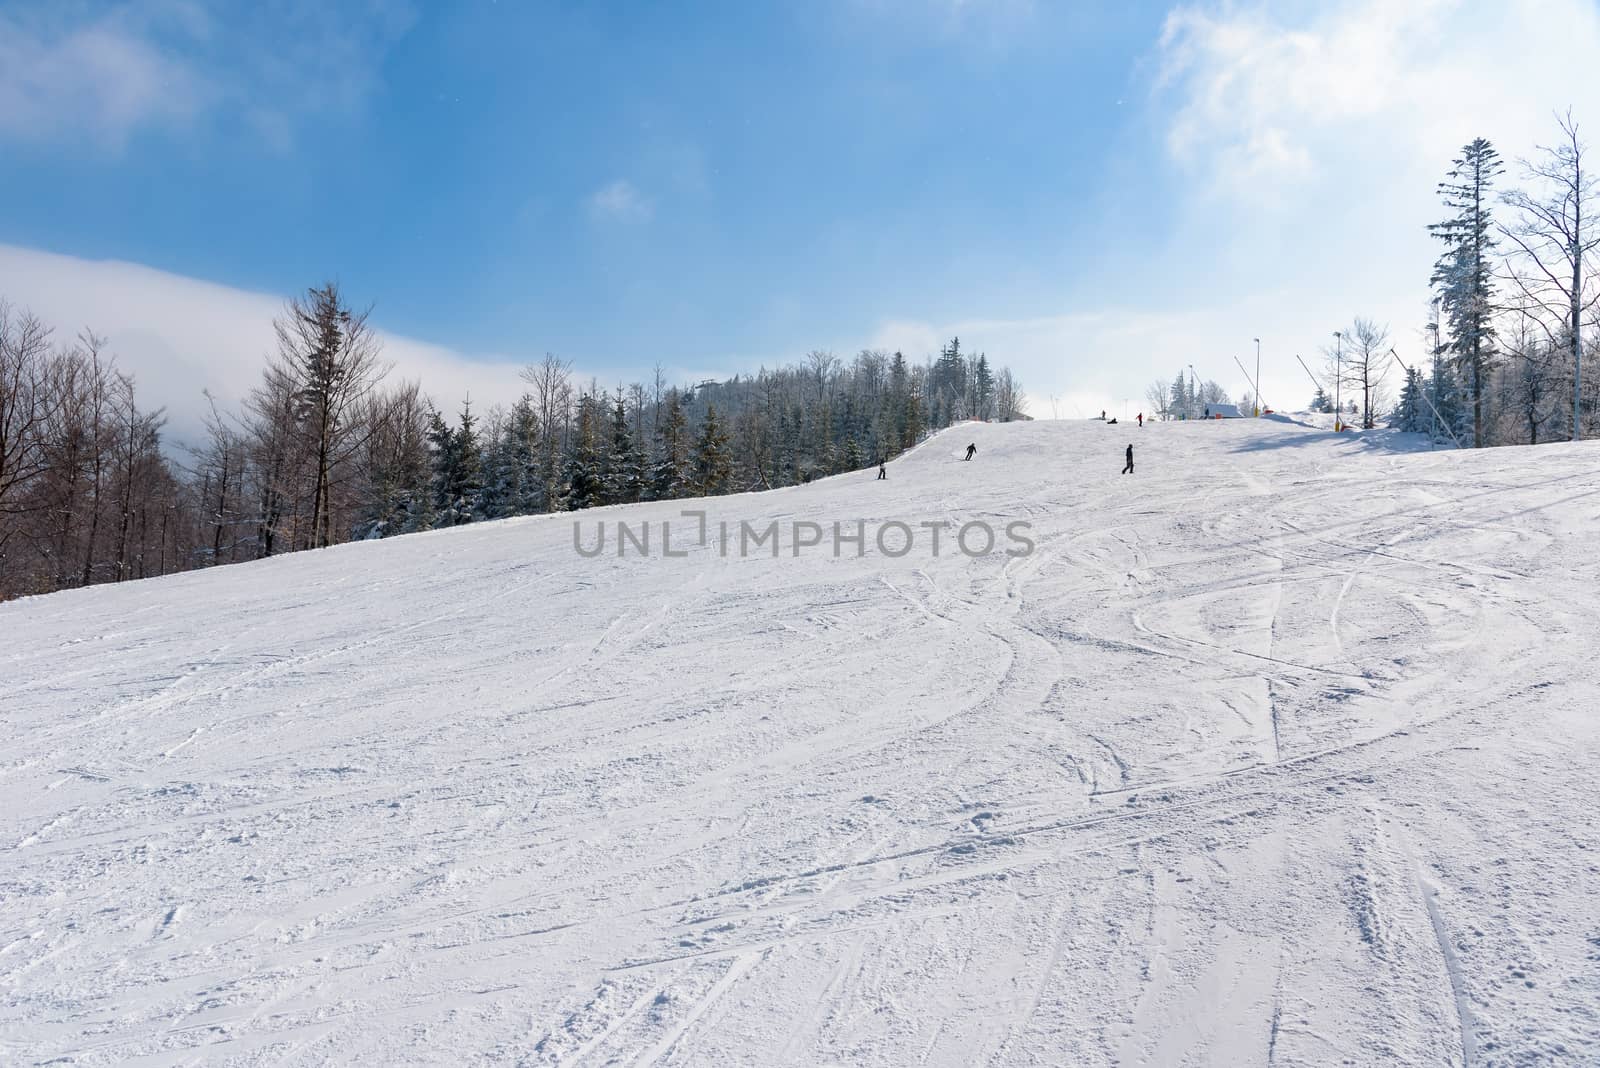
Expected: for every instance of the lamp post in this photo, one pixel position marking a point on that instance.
(1258, 376)
(1338, 378)
(1194, 388)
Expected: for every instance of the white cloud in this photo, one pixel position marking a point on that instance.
(71, 73)
(179, 336)
(620, 201)
(104, 77)
(1367, 84)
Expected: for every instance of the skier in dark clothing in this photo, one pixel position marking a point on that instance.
(882, 474)
(1128, 470)
(1141, 420)
(971, 449)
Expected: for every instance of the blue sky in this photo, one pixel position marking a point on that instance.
(1094, 193)
(626, 181)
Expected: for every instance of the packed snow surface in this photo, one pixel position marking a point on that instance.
(1282, 750)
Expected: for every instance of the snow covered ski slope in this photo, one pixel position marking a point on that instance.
(1281, 750)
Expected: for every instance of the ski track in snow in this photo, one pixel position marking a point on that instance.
(1281, 751)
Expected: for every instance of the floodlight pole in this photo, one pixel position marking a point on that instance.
(1338, 378)
(1258, 377)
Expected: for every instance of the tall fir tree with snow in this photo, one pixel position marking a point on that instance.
(983, 389)
(712, 464)
(854, 458)
(457, 469)
(915, 421)
(510, 480)
(1408, 410)
(1321, 402)
(1180, 398)
(1448, 418)
(787, 458)
(624, 466)
(525, 489)
(899, 394)
(670, 475)
(1464, 274)
(441, 452)
(585, 475)
(948, 380)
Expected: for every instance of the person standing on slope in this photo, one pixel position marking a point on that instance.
(1141, 420)
(882, 473)
(1128, 470)
(972, 448)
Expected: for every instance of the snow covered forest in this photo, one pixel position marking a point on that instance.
(326, 449)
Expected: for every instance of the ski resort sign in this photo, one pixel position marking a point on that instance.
(743, 538)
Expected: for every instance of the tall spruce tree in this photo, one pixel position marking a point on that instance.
(1407, 415)
(441, 455)
(1181, 399)
(712, 464)
(458, 468)
(1464, 274)
(983, 389)
(585, 477)
(1446, 414)
(670, 475)
(624, 468)
(510, 477)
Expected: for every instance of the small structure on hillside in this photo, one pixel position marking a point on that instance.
(1224, 411)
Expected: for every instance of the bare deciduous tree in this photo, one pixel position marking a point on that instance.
(551, 382)
(24, 344)
(1555, 232)
(1529, 382)
(1366, 365)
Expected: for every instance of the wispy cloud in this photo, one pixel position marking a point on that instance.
(1264, 93)
(102, 77)
(99, 75)
(620, 201)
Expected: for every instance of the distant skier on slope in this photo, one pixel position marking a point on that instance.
(1141, 420)
(972, 448)
(882, 473)
(1128, 470)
